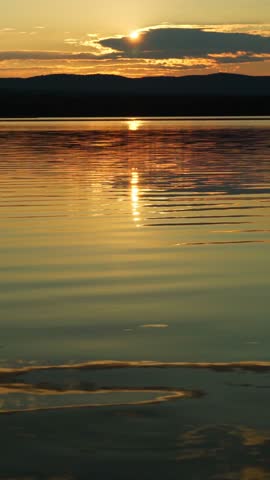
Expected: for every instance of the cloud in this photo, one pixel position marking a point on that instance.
(253, 29)
(163, 43)
(171, 42)
(239, 57)
(92, 42)
(48, 55)
(71, 41)
(157, 50)
(7, 30)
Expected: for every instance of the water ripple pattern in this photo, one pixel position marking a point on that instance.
(108, 226)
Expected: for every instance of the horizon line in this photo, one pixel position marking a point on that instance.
(226, 74)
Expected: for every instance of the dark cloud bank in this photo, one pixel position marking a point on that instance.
(164, 44)
(187, 42)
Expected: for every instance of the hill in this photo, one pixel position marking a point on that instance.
(215, 84)
(112, 95)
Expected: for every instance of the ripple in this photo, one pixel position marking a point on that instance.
(104, 226)
(225, 242)
(18, 394)
(28, 398)
(119, 364)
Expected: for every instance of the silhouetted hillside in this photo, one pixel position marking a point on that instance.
(111, 95)
(216, 84)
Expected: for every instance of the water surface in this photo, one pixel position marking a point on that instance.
(112, 227)
(124, 242)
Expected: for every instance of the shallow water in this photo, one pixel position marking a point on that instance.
(137, 240)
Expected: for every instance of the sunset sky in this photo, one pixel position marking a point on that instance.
(144, 37)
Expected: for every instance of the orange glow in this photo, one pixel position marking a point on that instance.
(134, 35)
(134, 125)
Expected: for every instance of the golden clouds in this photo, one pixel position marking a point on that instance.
(157, 50)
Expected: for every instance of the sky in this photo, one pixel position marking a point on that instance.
(134, 38)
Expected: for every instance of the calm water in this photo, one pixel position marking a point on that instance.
(130, 241)
(109, 228)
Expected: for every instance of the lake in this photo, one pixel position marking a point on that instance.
(134, 296)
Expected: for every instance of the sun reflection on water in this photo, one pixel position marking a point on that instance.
(134, 124)
(135, 193)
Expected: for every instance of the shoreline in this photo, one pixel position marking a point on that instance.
(80, 105)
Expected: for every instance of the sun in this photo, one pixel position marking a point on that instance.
(134, 35)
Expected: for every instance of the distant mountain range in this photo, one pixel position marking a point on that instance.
(215, 84)
(114, 96)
